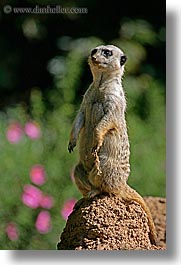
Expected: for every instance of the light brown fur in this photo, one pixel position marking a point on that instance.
(101, 127)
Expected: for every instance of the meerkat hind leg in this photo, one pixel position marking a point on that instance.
(94, 192)
(81, 180)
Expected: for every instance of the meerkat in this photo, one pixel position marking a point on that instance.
(100, 125)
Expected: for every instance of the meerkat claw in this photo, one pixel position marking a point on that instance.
(94, 151)
(70, 148)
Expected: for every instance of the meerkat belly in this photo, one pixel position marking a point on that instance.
(114, 147)
(93, 115)
(114, 156)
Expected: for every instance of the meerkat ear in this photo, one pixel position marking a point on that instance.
(123, 59)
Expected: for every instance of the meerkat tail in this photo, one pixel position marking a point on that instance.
(129, 194)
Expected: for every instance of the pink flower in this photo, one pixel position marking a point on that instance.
(31, 196)
(46, 202)
(11, 231)
(14, 133)
(42, 223)
(38, 175)
(68, 208)
(32, 129)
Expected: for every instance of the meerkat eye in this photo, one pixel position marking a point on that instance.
(106, 53)
(93, 52)
(123, 60)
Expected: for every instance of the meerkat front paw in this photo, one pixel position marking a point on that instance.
(94, 151)
(97, 145)
(71, 146)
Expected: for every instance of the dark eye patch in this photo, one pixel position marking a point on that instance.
(93, 52)
(123, 60)
(106, 53)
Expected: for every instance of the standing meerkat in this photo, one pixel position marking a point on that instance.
(101, 127)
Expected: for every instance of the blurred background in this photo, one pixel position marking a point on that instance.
(43, 76)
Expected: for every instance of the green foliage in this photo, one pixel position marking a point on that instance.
(146, 127)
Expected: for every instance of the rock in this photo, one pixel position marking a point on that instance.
(107, 223)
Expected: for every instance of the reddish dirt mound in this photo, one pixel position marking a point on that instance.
(158, 210)
(106, 223)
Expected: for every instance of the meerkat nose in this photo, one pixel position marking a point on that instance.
(94, 58)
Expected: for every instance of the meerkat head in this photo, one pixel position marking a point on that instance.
(107, 58)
